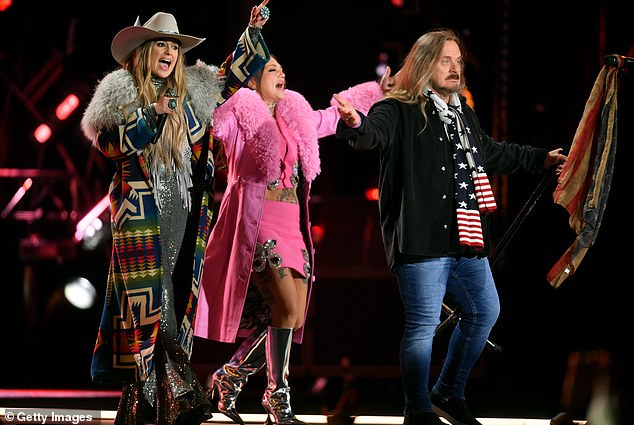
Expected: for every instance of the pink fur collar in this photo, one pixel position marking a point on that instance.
(261, 132)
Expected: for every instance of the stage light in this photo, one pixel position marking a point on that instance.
(372, 194)
(68, 105)
(80, 293)
(93, 235)
(5, 4)
(317, 233)
(94, 227)
(381, 64)
(70, 302)
(88, 224)
(42, 133)
(16, 198)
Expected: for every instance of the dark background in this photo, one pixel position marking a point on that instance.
(530, 69)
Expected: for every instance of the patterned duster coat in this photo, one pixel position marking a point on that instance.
(250, 137)
(130, 320)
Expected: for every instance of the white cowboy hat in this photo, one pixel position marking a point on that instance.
(161, 25)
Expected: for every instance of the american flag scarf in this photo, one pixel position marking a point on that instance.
(473, 190)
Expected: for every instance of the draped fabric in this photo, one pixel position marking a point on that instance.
(584, 183)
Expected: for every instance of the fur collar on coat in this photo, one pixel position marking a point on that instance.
(261, 132)
(118, 89)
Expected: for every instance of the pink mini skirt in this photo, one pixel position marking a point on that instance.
(280, 242)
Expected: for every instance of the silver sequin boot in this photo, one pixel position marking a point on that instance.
(277, 397)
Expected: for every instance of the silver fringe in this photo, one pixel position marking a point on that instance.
(162, 179)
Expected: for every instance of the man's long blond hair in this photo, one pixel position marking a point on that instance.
(417, 69)
(168, 150)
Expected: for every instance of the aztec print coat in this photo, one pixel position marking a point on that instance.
(250, 138)
(128, 331)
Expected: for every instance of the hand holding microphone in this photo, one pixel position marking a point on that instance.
(165, 106)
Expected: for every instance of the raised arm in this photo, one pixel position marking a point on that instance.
(249, 56)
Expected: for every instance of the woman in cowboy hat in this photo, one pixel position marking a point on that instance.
(152, 117)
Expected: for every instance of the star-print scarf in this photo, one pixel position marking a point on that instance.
(473, 190)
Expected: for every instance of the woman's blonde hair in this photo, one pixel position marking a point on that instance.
(169, 147)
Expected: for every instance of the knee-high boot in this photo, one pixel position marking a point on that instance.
(277, 397)
(228, 380)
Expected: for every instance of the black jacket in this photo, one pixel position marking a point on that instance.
(416, 204)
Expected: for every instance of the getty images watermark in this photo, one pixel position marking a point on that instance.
(51, 416)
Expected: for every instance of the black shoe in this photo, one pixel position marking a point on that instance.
(422, 418)
(454, 410)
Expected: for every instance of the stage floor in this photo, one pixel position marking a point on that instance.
(63, 406)
(106, 417)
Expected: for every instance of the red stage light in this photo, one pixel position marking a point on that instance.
(68, 105)
(5, 4)
(317, 232)
(42, 133)
(372, 194)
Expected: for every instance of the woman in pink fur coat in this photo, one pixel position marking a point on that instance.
(258, 273)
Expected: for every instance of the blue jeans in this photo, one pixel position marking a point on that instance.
(469, 285)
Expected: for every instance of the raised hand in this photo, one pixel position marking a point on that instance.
(260, 14)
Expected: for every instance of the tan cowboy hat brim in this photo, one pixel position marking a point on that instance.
(128, 39)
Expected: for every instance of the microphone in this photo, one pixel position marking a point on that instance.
(160, 122)
(618, 61)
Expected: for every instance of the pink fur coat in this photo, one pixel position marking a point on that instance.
(250, 136)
